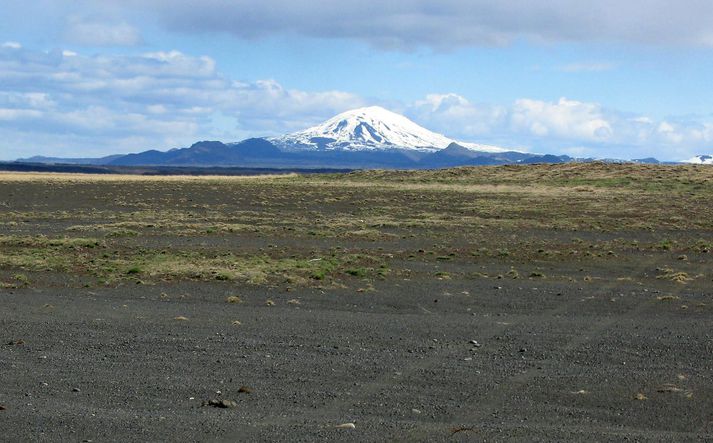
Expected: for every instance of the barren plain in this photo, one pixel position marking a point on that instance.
(523, 303)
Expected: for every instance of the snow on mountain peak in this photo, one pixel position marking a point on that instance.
(701, 160)
(370, 128)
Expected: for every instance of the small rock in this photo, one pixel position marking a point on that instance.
(415, 411)
(245, 390)
(346, 426)
(224, 404)
(475, 343)
(181, 318)
(3, 408)
(76, 390)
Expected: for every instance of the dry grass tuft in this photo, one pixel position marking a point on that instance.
(673, 275)
(668, 298)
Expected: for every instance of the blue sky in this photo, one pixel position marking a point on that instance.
(84, 78)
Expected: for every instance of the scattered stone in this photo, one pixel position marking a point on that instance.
(3, 408)
(16, 342)
(245, 390)
(223, 404)
(640, 396)
(346, 426)
(270, 303)
(669, 388)
(461, 429)
(581, 392)
(234, 299)
(415, 411)
(181, 318)
(76, 390)
(475, 343)
(293, 301)
(236, 323)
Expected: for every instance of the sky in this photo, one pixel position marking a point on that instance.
(618, 79)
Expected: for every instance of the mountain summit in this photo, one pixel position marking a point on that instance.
(369, 129)
(701, 160)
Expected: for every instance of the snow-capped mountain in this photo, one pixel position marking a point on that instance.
(370, 129)
(363, 138)
(700, 160)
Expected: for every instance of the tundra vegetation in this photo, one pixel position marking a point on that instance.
(327, 230)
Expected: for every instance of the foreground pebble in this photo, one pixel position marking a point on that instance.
(225, 404)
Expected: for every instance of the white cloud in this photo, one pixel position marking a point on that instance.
(454, 114)
(564, 126)
(567, 119)
(78, 104)
(18, 114)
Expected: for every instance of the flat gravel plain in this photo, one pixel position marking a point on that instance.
(432, 306)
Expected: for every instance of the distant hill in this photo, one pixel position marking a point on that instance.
(363, 138)
(70, 161)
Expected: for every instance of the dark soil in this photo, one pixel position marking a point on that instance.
(510, 327)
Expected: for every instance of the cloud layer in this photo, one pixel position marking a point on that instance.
(446, 23)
